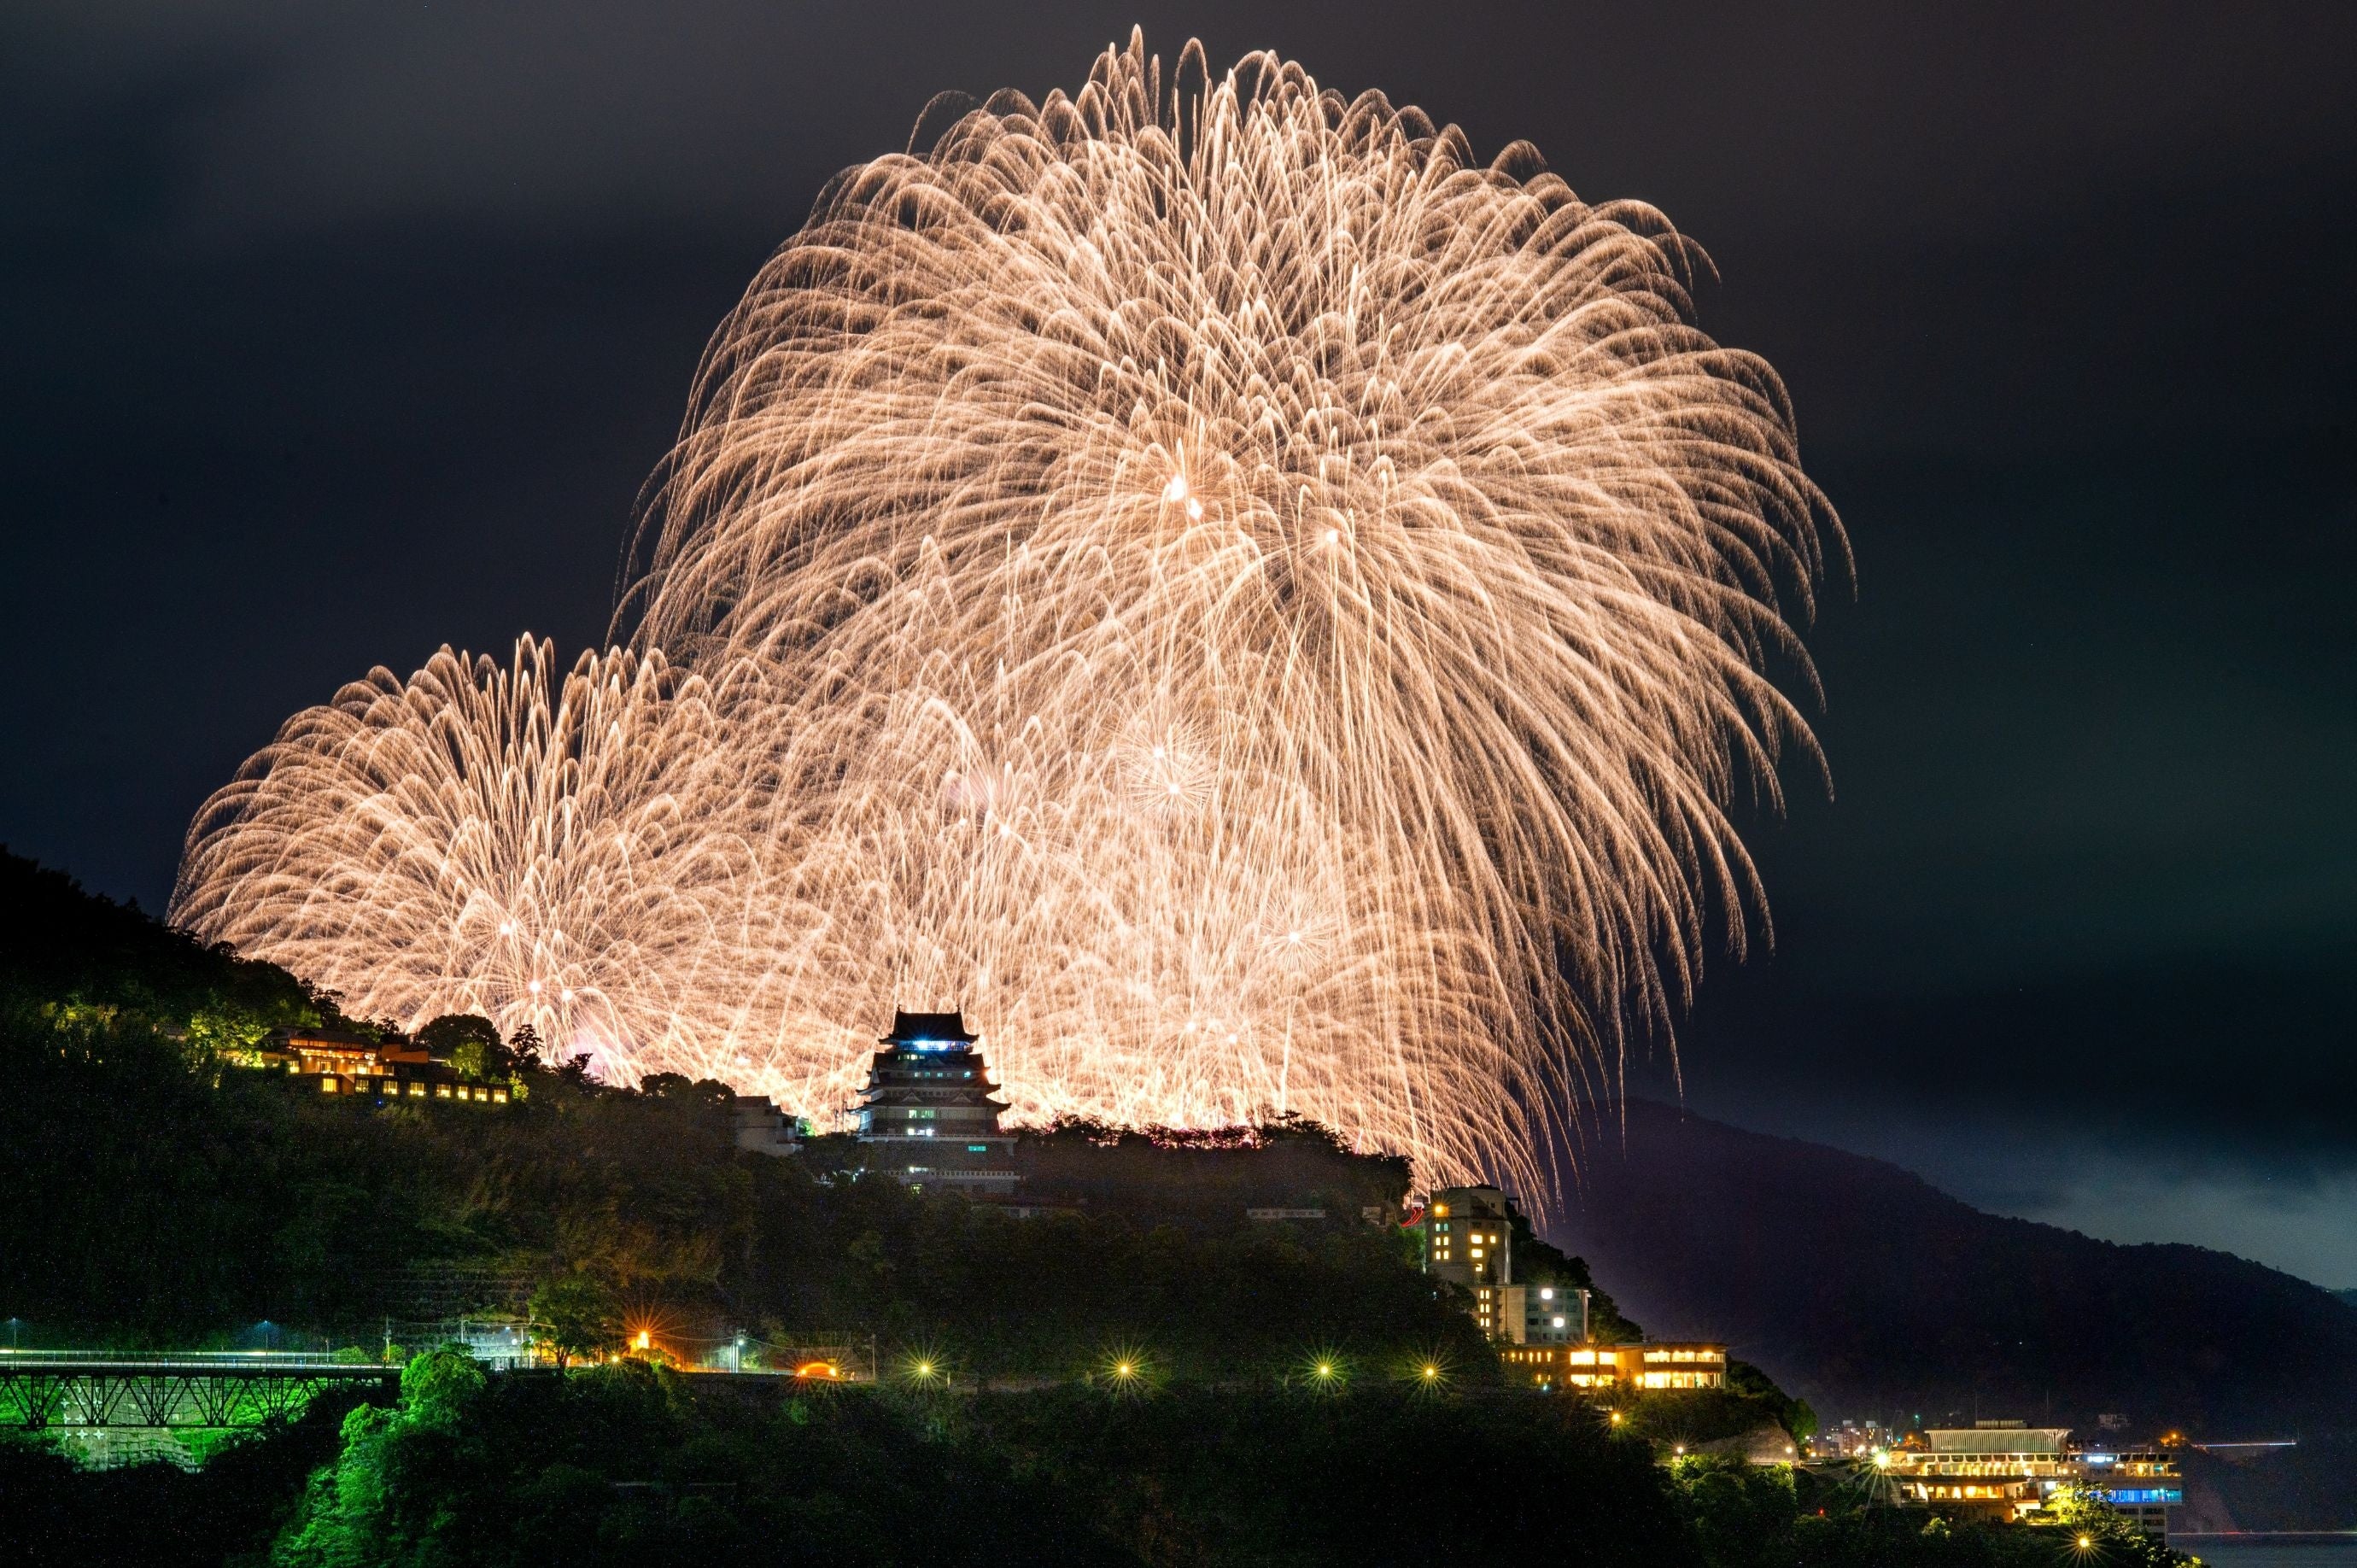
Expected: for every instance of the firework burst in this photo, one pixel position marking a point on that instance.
(1264, 610)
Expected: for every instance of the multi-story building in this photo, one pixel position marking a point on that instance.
(928, 1111)
(1544, 1315)
(386, 1071)
(1676, 1365)
(1642, 1368)
(1995, 1469)
(1469, 1242)
(2004, 1469)
(762, 1128)
(2142, 1484)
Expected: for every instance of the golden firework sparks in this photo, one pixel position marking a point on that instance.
(1262, 610)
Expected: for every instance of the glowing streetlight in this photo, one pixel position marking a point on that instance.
(1431, 1372)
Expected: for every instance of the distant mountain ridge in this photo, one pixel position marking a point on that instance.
(1861, 1288)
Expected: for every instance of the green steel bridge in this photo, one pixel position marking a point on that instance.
(118, 1406)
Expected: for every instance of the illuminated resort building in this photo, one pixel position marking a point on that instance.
(384, 1071)
(1635, 1368)
(1469, 1242)
(928, 1111)
(2005, 1470)
(1543, 1314)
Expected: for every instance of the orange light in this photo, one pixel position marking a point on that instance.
(644, 1341)
(818, 1370)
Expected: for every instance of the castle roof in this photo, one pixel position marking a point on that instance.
(909, 1028)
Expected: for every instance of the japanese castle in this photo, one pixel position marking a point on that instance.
(927, 1106)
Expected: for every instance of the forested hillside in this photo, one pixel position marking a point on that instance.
(160, 1195)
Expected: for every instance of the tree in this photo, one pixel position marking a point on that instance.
(437, 1384)
(470, 1043)
(524, 1045)
(677, 1087)
(577, 1315)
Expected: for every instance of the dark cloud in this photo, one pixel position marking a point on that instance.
(339, 331)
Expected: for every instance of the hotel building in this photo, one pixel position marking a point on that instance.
(1469, 1242)
(2005, 1470)
(1636, 1368)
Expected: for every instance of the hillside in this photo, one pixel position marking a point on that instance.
(1867, 1291)
(159, 1196)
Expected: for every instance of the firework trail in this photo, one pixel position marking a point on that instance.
(1262, 610)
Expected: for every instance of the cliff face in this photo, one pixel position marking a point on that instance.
(1868, 1292)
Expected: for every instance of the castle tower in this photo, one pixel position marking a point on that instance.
(928, 1112)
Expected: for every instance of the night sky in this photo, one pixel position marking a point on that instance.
(333, 333)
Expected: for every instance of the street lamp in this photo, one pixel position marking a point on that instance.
(738, 1364)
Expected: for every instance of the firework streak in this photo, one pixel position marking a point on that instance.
(1263, 611)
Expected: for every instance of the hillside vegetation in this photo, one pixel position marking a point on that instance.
(162, 1196)
(615, 1466)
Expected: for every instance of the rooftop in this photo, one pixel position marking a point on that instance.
(909, 1028)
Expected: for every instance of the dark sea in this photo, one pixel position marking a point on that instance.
(2263, 1551)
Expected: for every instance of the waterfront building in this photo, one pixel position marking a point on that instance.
(2141, 1484)
(2006, 1470)
(927, 1108)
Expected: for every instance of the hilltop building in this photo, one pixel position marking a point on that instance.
(927, 1108)
(1469, 1242)
(1544, 1315)
(338, 1062)
(762, 1128)
(1651, 1368)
